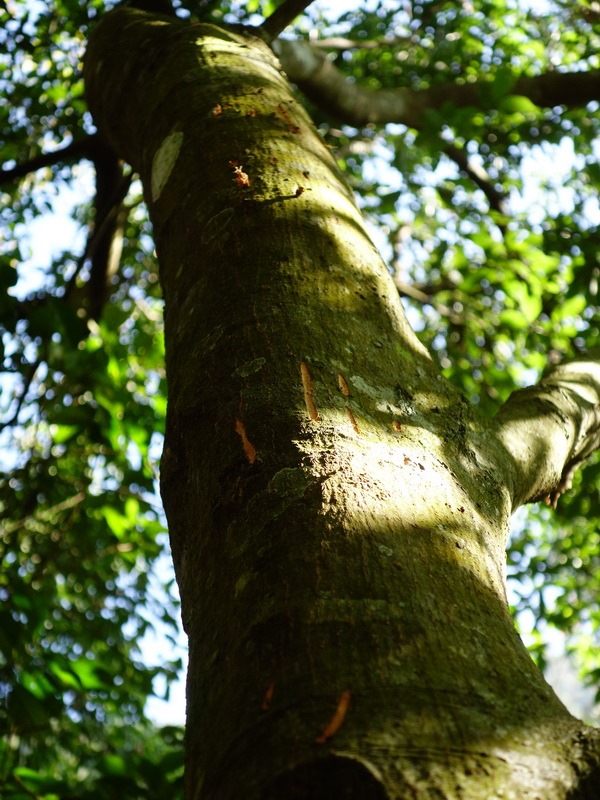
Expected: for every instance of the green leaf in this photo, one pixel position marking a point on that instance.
(570, 308)
(517, 104)
(117, 522)
(114, 764)
(513, 319)
(89, 674)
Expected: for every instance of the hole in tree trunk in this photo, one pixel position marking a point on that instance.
(332, 778)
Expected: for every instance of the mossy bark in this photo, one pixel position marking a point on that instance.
(338, 514)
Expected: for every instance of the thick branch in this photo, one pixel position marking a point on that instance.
(550, 428)
(283, 15)
(326, 86)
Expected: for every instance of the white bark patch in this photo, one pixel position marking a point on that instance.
(164, 161)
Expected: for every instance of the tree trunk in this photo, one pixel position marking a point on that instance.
(338, 513)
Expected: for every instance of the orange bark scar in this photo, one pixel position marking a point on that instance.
(343, 386)
(268, 697)
(307, 385)
(352, 420)
(249, 449)
(336, 721)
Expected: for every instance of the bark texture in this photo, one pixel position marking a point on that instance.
(338, 513)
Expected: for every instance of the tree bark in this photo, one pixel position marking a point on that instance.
(338, 512)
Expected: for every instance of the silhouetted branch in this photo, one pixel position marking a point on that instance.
(28, 379)
(77, 149)
(283, 15)
(105, 243)
(426, 299)
(47, 513)
(479, 176)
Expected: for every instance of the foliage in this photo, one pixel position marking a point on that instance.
(83, 410)
(498, 280)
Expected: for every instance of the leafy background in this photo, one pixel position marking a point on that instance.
(497, 283)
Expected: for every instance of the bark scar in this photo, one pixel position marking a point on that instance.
(268, 697)
(336, 721)
(307, 385)
(343, 385)
(249, 449)
(352, 420)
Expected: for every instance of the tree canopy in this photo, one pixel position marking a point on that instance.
(469, 132)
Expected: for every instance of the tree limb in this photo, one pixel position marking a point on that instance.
(283, 15)
(480, 178)
(326, 86)
(77, 149)
(103, 248)
(550, 428)
(342, 43)
(46, 514)
(415, 293)
(27, 381)
(105, 243)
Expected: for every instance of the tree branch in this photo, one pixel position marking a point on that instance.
(46, 514)
(326, 86)
(283, 15)
(341, 43)
(77, 149)
(415, 293)
(480, 178)
(27, 381)
(104, 245)
(106, 241)
(550, 428)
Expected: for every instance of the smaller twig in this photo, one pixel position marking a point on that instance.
(479, 176)
(28, 381)
(421, 297)
(119, 196)
(341, 43)
(24, 787)
(283, 16)
(47, 513)
(97, 235)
